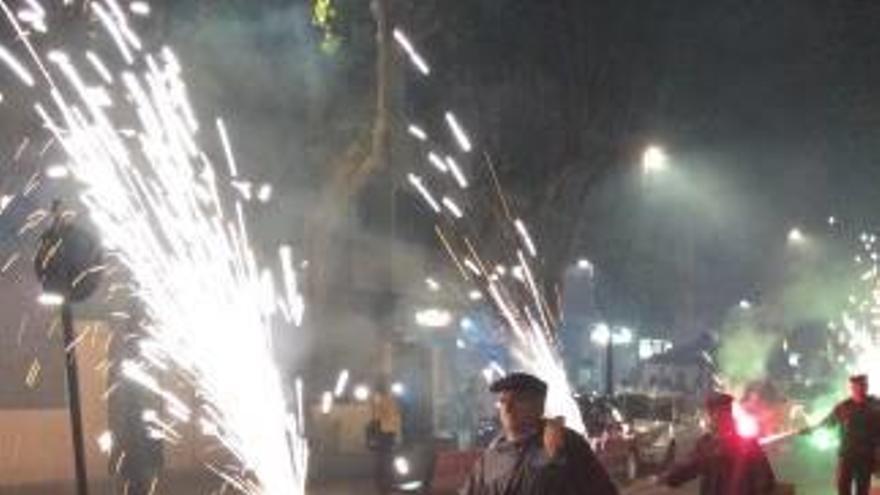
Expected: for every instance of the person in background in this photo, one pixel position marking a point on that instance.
(534, 455)
(383, 433)
(858, 419)
(725, 463)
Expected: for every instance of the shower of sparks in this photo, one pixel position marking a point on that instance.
(155, 199)
(139, 8)
(463, 142)
(341, 383)
(414, 56)
(521, 305)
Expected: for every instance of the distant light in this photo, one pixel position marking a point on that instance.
(623, 337)
(832, 221)
(417, 132)
(401, 465)
(326, 402)
(519, 273)
(795, 236)
(105, 442)
(794, 360)
(139, 8)
(264, 194)
(50, 299)
(57, 172)
(745, 304)
(467, 323)
(475, 295)
(460, 344)
(584, 264)
(654, 159)
(433, 318)
(398, 389)
(341, 382)
(149, 416)
(432, 284)
(601, 334)
(361, 393)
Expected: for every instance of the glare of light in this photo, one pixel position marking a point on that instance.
(139, 8)
(585, 264)
(475, 295)
(624, 336)
(437, 162)
(794, 360)
(414, 56)
(50, 299)
(601, 334)
(526, 238)
(401, 465)
(745, 304)
(16, 67)
(398, 389)
(432, 284)
(467, 323)
(746, 424)
(518, 273)
(463, 142)
(654, 159)
(105, 442)
(341, 382)
(57, 172)
(460, 344)
(795, 236)
(417, 132)
(452, 207)
(456, 172)
(264, 193)
(832, 220)
(433, 318)
(361, 393)
(326, 402)
(5, 200)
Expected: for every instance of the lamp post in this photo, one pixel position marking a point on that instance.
(67, 264)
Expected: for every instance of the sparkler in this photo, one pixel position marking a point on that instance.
(155, 199)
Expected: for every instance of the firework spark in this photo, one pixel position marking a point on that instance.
(155, 199)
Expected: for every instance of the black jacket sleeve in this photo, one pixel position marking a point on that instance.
(591, 477)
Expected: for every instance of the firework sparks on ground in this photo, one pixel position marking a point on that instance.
(156, 201)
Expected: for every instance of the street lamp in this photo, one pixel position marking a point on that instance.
(654, 160)
(68, 265)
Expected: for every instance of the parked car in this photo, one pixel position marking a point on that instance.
(636, 433)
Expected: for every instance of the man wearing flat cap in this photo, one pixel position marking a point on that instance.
(856, 418)
(534, 455)
(725, 462)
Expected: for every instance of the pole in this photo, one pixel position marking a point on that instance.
(609, 366)
(76, 432)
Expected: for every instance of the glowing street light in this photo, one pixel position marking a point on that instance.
(654, 160)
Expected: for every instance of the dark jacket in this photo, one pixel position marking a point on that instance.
(525, 468)
(726, 465)
(859, 426)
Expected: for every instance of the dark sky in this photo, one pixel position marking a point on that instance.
(772, 109)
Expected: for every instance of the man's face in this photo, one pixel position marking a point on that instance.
(858, 391)
(520, 412)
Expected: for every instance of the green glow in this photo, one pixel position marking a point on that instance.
(824, 439)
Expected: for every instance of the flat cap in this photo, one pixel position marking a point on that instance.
(858, 379)
(718, 400)
(519, 382)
